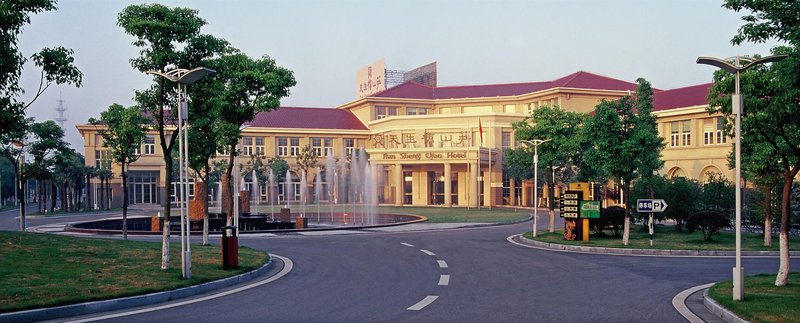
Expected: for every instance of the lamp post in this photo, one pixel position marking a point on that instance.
(535, 143)
(184, 77)
(736, 65)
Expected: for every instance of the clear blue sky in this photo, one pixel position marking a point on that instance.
(325, 42)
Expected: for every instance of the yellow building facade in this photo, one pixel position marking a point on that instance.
(437, 145)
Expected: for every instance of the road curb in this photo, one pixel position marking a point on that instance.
(720, 311)
(679, 303)
(49, 313)
(651, 252)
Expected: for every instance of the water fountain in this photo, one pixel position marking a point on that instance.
(330, 173)
(318, 190)
(303, 192)
(270, 195)
(288, 189)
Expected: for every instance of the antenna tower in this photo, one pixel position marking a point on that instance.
(60, 109)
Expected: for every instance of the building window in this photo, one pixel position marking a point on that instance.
(173, 197)
(260, 146)
(506, 139)
(150, 145)
(384, 112)
(416, 111)
(247, 146)
(680, 133)
(101, 160)
(283, 146)
(349, 146)
(714, 131)
(322, 146)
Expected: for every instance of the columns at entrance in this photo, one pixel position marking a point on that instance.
(398, 184)
(448, 185)
(473, 185)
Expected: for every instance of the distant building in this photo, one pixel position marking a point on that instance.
(442, 145)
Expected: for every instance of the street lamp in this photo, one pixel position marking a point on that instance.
(736, 65)
(535, 143)
(184, 77)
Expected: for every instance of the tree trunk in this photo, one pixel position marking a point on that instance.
(205, 207)
(89, 197)
(230, 185)
(108, 192)
(784, 267)
(53, 193)
(551, 191)
(39, 197)
(64, 197)
(21, 195)
(767, 215)
(626, 231)
(124, 203)
(166, 214)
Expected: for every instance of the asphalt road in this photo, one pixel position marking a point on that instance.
(388, 277)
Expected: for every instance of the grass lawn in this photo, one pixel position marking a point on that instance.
(434, 214)
(763, 301)
(459, 215)
(43, 270)
(667, 238)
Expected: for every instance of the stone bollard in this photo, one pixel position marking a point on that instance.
(155, 223)
(300, 223)
(286, 215)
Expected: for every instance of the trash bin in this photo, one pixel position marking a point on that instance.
(230, 248)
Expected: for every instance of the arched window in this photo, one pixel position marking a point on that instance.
(708, 172)
(675, 172)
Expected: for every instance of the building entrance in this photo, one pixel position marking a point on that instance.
(142, 187)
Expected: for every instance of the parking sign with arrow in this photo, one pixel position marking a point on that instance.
(651, 205)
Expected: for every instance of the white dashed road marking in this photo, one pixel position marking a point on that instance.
(407, 244)
(442, 263)
(424, 302)
(427, 252)
(444, 280)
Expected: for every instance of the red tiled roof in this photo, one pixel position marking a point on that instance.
(581, 79)
(681, 97)
(308, 118)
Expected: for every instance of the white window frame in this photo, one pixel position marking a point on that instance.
(149, 145)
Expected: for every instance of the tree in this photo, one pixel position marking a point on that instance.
(247, 86)
(777, 20)
(56, 65)
(168, 38)
(624, 146)
(770, 125)
(562, 128)
(123, 135)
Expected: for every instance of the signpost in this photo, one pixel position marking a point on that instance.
(651, 206)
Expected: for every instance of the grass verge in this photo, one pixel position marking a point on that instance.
(667, 238)
(44, 270)
(459, 215)
(763, 301)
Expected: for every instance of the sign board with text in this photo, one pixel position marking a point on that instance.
(570, 204)
(651, 205)
(590, 209)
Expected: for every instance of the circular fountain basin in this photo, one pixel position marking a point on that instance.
(249, 223)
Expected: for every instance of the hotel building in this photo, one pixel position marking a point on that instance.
(441, 145)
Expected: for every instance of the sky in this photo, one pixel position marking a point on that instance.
(325, 42)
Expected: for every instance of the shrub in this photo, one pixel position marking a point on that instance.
(709, 222)
(610, 218)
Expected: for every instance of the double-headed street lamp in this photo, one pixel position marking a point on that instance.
(184, 77)
(736, 65)
(535, 143)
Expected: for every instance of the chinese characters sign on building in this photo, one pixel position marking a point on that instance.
(371, 79)
(448, 139)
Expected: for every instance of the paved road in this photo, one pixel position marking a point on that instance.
(401, 277)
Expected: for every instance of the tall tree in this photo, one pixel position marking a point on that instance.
(770, 124)
(624, 146)
(562, 128)
(123, 136)
(168, 38)
(248, 87)
(56, 65)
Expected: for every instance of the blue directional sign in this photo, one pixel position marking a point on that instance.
(651, 205)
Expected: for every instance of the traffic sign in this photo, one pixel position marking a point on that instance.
(651, 205)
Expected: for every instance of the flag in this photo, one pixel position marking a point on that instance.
(480, 130)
